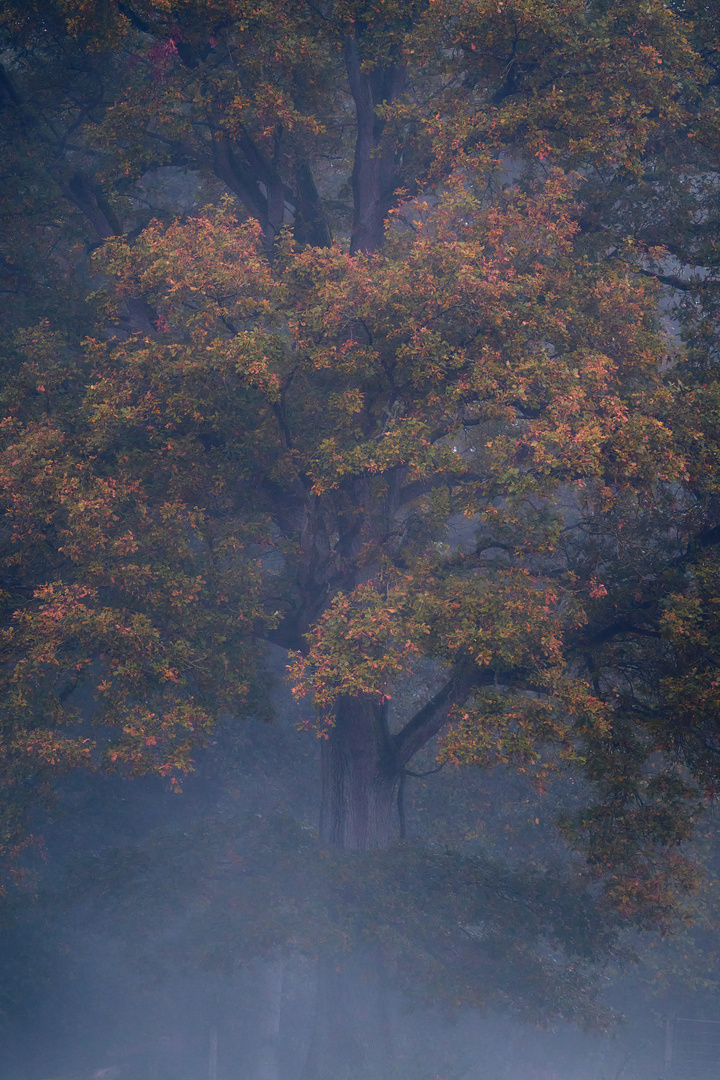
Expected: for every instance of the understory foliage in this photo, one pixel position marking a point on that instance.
(450, 926)
(337, 326)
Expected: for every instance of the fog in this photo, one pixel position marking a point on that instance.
(180, 937)
(331, 343)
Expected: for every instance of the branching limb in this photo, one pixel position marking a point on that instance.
(429, 720)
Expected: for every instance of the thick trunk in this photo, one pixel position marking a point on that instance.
(360, 778)
(362, 768)
(363, 764)
(361, 773)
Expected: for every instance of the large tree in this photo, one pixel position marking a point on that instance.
(446, 459)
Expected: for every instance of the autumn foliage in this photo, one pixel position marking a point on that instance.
(396, 397)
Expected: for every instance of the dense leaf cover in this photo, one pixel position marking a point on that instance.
(387, 387)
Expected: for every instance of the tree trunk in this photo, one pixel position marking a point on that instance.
(361, 775)
(375, 175)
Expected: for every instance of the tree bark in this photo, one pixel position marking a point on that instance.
(375, 175)
(362, 769)
(361, 774)
(363, 765)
